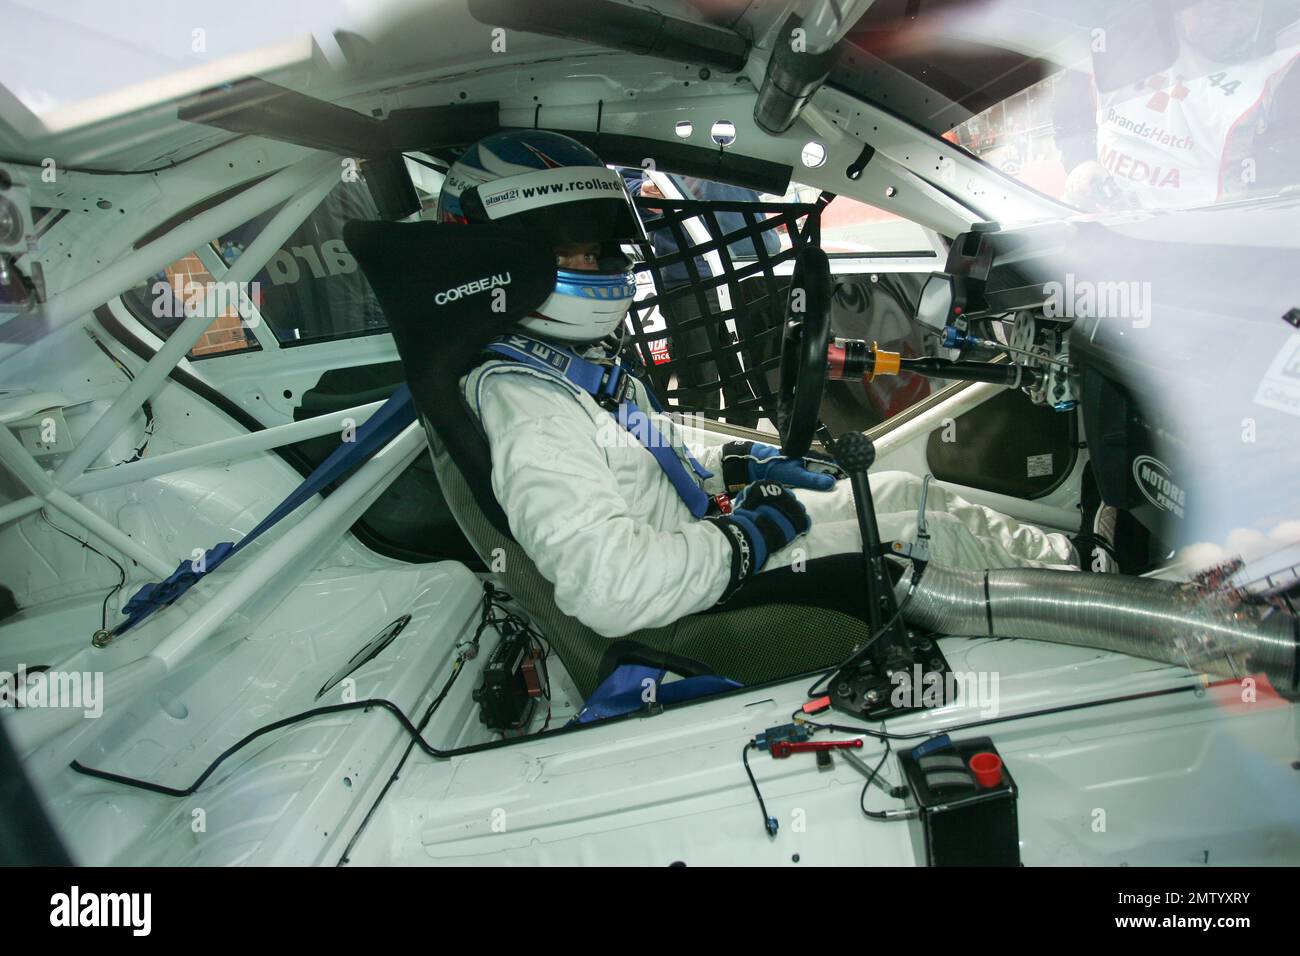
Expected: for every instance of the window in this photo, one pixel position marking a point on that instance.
(427, 177)
(311, 289)
(160, 304)
(850, 228)
(1019, 135)
(855, 229)
(1197, 110)
(717, 381)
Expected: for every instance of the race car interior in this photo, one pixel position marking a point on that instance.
(388, 663)
(764, 349)
(962, 305)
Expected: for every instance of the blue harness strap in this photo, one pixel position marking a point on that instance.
(624, 691)
(387, 421)
(611, 387)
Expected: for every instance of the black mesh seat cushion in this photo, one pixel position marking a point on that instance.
(754, 641)
(776, 629)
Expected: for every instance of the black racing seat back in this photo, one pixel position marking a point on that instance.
(448, 290)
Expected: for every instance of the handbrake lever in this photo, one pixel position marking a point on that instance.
(919, 549)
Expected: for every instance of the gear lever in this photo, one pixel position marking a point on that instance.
(863, 686)
(856, 454)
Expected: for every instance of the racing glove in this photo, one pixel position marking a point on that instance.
(744, 462)
(764, 518)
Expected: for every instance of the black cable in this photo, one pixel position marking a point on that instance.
(862, 651)
(418, 739)
(875, 771)
(486, 604)
(769, 822)
(1045, 712)
(146, 405)
(387, 705)
(490, 603)
(94, 171)
(392, 779)
(149, 423)
(886, 738)
(821, 676)
(86, 544)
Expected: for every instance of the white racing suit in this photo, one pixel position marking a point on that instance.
(598, 516)
(1185, 137)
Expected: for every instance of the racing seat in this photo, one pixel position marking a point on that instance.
(430, 280)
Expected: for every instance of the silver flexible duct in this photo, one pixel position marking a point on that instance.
(1165, 621)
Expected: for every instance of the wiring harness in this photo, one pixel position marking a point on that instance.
(493, 613)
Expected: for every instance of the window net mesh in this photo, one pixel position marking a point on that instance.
(709, 337)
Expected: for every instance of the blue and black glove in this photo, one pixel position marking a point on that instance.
(744, 462)
(764, 519)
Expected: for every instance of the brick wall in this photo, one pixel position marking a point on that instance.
(226, 333)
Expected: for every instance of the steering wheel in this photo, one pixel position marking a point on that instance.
(803, 351)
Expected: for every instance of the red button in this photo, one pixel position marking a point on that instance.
(987, 768)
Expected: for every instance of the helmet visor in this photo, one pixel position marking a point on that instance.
(605, 258)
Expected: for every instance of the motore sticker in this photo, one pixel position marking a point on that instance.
(1155, 481)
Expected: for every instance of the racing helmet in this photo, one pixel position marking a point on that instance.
(553, 188)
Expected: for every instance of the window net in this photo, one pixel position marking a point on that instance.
(709, 337)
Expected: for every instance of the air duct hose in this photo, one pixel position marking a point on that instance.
(1168, 621)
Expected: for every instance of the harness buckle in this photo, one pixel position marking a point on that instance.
(615, 387)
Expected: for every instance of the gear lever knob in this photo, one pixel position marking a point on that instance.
(855, 452)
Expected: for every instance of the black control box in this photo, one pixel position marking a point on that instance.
(967, 814)
(504, 699)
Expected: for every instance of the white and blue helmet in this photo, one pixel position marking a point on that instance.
(556, 189)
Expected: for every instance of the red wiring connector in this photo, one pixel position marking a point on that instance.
(817, 706)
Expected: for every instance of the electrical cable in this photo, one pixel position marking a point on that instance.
(887, 738)
(769, 822)
(146, 405)
(315, 712)
(418, 739)
(462, 655)
(1044, 712)
(93, 171)
(861, 651)
(428, 714)
(875, 771)
(86, 544)
(489, 604)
